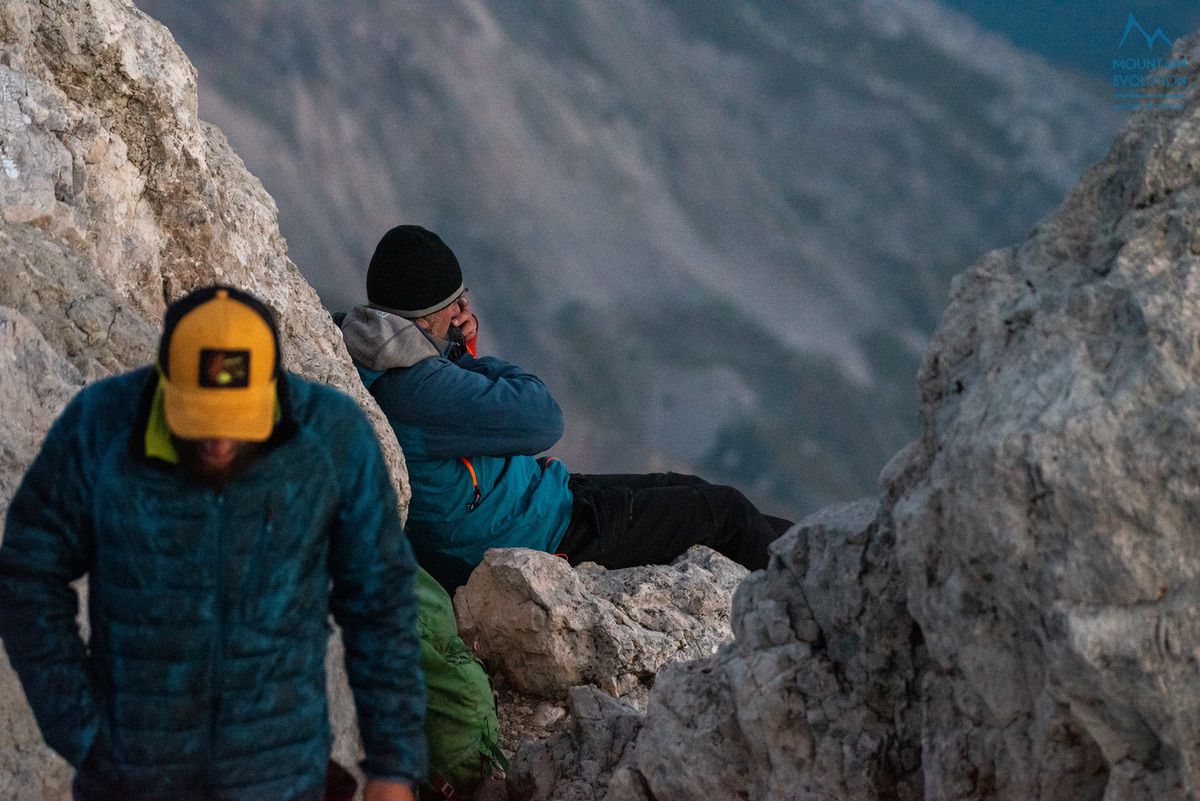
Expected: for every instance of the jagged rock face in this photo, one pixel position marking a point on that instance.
(36, 382)
(592, 761)
(548, 627)
(1048, 529)
(114, 201)
(117, 199)
(815, 698)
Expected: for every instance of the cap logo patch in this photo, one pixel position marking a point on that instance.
(224, 369)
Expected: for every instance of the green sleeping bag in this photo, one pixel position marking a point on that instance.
(460, 722)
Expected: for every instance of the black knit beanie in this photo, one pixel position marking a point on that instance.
(413, 273)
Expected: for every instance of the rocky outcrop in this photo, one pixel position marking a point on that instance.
(548, 627)
(1047, 531)
(37, 381)
(816, 693)
(1015, 618)
(115, 200)
(592, 761)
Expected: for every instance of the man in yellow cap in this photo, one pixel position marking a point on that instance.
(221, 509)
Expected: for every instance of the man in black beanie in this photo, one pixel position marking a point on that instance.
(471, 428)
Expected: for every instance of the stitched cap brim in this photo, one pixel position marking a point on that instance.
(244, 413)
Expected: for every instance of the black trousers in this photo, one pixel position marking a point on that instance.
(628, 520)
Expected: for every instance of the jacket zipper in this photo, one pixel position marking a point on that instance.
(218, 646)
(478, 496)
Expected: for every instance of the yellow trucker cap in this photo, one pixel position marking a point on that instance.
(219, 356)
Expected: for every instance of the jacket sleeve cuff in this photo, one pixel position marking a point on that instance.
(404, 769)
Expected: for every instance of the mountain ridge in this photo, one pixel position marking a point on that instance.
(626, 171)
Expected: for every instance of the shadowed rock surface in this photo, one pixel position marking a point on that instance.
(816, 693)
(592, 761)
(1047, 531)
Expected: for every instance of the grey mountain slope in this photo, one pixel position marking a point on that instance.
(721, 232)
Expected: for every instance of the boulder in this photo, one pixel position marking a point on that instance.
(548, 627)
(1047, 530)
(817, 694)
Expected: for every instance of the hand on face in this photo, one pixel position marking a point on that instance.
(457, 313)
(464, 318)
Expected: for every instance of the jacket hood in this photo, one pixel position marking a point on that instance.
(380, 341)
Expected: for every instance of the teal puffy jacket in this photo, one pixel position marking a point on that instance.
(204, 677)
(486, 411)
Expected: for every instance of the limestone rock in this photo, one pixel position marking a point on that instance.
(548, 627)
(815, 697)
(526, 717)
(114, 201)
(590, 762)
(117, 199)
(1048, 531)
(36, 382)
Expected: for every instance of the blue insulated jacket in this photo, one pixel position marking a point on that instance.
(204, 677)
(469, 430)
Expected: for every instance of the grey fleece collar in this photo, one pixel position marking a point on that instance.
(380, 341)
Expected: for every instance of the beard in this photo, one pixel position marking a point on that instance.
(214, 476)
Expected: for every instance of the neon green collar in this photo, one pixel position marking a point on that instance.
(158, 436)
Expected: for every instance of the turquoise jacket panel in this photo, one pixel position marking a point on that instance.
(205, 674)
(487, 410)
(498, 417)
